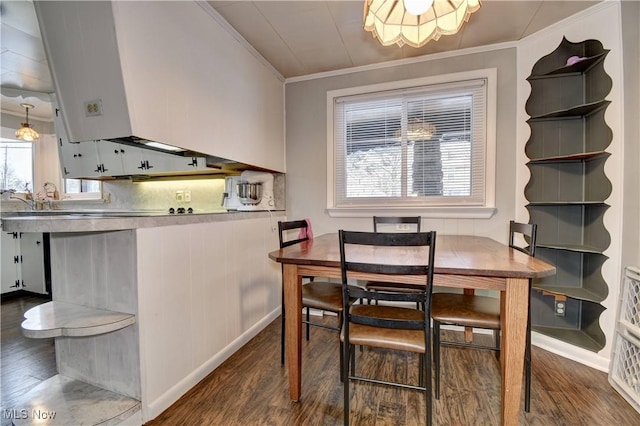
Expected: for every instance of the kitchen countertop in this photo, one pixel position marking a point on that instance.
(89, 221)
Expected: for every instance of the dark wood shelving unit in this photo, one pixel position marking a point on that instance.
(568, 189)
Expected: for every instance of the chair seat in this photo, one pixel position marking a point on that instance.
(395, 287)
(397, 339)
(322, 295)
(466, 310)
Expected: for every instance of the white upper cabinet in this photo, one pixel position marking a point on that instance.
(166, 72)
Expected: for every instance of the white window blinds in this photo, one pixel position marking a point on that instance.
(419, 146)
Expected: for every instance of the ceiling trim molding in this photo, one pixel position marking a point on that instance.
(238, 37)
(405, 61)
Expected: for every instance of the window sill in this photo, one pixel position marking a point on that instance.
(425, 212)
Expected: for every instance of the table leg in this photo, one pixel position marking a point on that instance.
(514, 303)
(293, 326)
(468, 331)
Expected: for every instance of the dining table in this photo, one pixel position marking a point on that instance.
(461, 261)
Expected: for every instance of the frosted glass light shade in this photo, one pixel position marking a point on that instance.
(26, 133)
(391, 23)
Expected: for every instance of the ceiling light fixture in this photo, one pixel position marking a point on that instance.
(398, 22)
(26, 133)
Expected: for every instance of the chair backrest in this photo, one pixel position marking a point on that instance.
(528, 231)
(283, 227)
(396, 220)
(395, 262)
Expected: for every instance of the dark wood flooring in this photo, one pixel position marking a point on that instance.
(251, 387)
(24, 363)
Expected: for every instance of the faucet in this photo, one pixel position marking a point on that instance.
(29, 204)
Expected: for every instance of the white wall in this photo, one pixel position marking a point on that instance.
(631, 65)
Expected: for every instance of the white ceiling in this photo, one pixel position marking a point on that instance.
(296, 37)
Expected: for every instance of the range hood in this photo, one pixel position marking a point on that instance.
(165, 76)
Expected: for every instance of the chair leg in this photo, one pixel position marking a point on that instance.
(421, 370)
(496, 336)
(346, 348)
(427, 373)
(353, 360)
(436, 355)
(282, 332)
(527, 368)
(308, 325)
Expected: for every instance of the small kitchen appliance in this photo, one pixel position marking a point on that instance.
(230, 200)
(255, 191)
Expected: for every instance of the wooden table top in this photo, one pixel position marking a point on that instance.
(455, 254)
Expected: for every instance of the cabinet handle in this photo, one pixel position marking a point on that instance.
(38, 243)
(66, 172)
(122, 150)
(141, 166)
(146, 163)
(16, 259)
(115, 151)
(194, 162)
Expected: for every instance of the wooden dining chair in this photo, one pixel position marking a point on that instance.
(390, 326)
(382, 224)
(470, 310)
(321, 295)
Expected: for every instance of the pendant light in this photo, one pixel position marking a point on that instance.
(26, 133)
(415, 22)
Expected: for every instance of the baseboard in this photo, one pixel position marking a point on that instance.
(574, 353)
(155, 408)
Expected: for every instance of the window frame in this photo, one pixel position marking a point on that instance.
(424, 209)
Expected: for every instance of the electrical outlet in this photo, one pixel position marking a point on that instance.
(93, 108)
(179, 195)
(187, 196)
(560, 308)
(402, 227)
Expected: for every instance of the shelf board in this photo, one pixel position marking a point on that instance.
(577, 68)
(571, 247)
(66, 401)
(566, 203)
(582, 156)
(579, 293)
(54, 319)
(575, 337)
(576, 111)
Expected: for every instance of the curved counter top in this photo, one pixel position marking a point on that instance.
(107, 221)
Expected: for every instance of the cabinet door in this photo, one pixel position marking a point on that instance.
(77, 160)
(32, 258)
(8, 253)
(109, 158)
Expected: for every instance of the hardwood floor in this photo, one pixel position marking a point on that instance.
(251, 387)
(24, 362)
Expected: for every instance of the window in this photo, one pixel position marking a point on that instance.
(425, 144)
(82, 186)
(16, 165)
